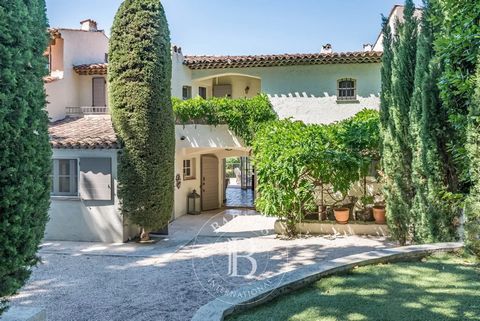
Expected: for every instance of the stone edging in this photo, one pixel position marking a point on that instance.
(249, 296)
(322, 228)
(20, 313)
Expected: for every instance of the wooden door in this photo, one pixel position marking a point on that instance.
(210, 181)
(99, 92)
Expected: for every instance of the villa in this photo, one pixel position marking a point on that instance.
(322, 87)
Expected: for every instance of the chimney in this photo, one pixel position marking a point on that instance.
(327, 49)
(88, 25)
(177, 51)
(367, 47)
(177, 55)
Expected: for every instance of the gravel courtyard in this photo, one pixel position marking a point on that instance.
(169, 280)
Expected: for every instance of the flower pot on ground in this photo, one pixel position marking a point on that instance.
(342, 215)
(379, 214)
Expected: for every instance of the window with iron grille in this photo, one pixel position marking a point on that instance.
(347, 89)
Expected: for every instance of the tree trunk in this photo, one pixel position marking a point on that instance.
(144, 235)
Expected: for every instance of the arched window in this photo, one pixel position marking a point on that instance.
(347, 89)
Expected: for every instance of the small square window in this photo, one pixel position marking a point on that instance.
(347, 89)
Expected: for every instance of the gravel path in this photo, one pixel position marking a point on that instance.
(166, 285)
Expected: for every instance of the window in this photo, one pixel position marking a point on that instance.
(347, 89)
(186, 92)
(65, 177)
(189, 169)
(202, 92)
(99, 94)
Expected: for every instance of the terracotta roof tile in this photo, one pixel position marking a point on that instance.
(89, 132)
(220, 62)
(92, 69)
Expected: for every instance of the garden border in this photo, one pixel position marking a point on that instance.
(250, 296)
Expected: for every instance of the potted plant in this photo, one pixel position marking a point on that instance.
(342, 214)
(379, 212)
(366, 205)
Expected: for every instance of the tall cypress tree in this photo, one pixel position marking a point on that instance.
(397, 148)
(140, 94)
(432, 219)
(25, 154)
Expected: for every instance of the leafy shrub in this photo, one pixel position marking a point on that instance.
(293, 159)
(243, 116)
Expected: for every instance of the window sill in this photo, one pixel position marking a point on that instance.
(64, 198)
(348, 101)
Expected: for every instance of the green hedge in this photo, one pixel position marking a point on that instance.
(25, 153)
(243, 116)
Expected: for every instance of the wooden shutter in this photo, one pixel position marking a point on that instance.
(99, 94)
(96, 179)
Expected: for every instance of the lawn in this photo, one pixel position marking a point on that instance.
(441, 287)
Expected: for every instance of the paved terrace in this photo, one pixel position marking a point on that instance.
(173, 278)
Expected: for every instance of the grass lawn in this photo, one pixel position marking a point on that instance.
(441, 287)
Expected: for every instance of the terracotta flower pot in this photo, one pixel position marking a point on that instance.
(342, 215)
(379, 214)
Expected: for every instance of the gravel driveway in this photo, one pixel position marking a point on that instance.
(166, 281)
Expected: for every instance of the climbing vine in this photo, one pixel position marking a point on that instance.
(243, 116)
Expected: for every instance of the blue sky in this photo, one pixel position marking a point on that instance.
(248, 26)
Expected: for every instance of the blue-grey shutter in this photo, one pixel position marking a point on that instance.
(96, 179)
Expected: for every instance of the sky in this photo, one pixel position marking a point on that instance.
(246, 27)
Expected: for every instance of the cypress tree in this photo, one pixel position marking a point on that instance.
(140, 95)
(432, 219)
(397, 147)
(25, 154)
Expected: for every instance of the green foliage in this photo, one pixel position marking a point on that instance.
(361, 136)
(243, 116)
(432, 212)
(472, 212)
(457, 45)
(293, 159)
(140, 90)
(25, 154)
(396, 123)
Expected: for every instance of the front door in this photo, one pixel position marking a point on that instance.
(210, 181)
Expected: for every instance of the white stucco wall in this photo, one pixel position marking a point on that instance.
(79, 47)
(181, 75)
(320, 110)
(309, 93)
(74, 219)
(202, 140)
(317, 80)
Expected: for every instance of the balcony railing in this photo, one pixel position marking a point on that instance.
(87, 110)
